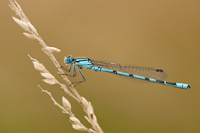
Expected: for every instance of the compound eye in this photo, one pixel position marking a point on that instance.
(68, 59)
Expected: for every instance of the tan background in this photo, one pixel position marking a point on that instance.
(156, 33)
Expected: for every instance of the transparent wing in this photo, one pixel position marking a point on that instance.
(147, 72)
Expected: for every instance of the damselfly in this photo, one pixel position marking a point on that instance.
(132, 72)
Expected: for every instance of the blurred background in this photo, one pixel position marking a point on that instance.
(156, 33)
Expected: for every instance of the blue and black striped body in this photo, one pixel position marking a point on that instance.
(146, 74)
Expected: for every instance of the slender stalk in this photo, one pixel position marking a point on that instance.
(33, 34)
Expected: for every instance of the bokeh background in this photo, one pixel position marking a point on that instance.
(157, 33)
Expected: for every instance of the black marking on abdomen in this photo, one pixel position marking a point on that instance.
(131, 75)
(115, 72)
(160, 81)
(147, 79)
(189, 86)
(171, 83)
(99, 68)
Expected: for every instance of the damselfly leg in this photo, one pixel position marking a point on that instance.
(74, 73)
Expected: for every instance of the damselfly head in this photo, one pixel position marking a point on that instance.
(68, 59)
